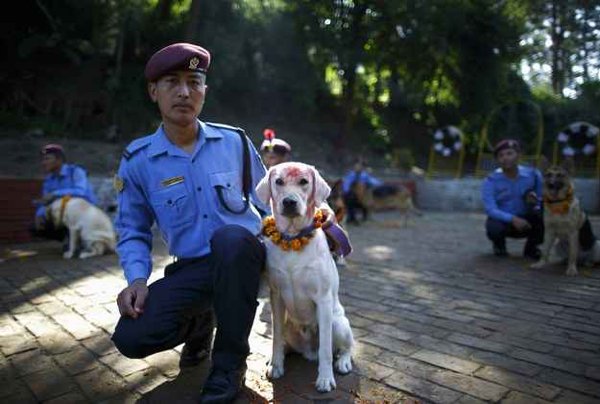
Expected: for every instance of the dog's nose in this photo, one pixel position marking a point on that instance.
(289, 203)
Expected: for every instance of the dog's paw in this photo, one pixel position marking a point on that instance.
(344, 364)
(538, 265)
(68, 255)
(274, 371)
(325, 384)
(571, 271)
(85, 255)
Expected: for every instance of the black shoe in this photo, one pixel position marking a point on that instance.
(223, 386)
(533, 253)
(500, 251)
(193, 357)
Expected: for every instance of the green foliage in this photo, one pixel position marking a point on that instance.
(403, 158)
(380, 75)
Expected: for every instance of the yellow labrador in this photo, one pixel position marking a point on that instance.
(307, 315)
(89, 227)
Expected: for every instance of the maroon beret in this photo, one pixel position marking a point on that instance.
(506, 144)
(53, 148)
(178, 56)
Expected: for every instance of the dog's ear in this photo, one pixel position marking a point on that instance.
(263, 189)
(322, 188)
(543, 163)
(568, 164)
(336, 188)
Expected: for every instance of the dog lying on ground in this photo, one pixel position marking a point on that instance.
(307, 315)
(564, 220)
(90, 229)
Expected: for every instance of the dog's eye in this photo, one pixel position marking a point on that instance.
(279, 181)
(303, 181)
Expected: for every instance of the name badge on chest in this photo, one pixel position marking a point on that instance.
(171, 181)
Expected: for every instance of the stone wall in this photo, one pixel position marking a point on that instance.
(464, 194)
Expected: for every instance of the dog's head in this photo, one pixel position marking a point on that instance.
(557, 181)
(294, 191)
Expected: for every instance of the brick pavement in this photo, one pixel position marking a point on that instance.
(436, 318)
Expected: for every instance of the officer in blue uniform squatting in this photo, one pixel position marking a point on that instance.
(511, 196)
(196, 180)
(358, 175)
(61, 179)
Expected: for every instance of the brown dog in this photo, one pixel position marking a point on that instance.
(565, 220)
(394, 197)
(336, 201)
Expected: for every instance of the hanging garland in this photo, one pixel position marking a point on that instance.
(447, 140)
(578, 138)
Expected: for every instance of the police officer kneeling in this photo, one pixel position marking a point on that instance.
(196, 180)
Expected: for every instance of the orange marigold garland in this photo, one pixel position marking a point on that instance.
(559, 207)
(296, 244)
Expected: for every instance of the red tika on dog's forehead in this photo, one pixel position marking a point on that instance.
(293, 172)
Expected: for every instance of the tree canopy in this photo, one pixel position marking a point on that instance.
(382, 75)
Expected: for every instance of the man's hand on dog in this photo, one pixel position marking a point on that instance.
(520, 224)
(531, 198)
(45, 199)
(131, 299)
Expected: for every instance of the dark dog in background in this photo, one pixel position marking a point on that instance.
(336, 201)
(358, 199)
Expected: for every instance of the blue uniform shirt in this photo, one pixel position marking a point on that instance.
(504, 198)
(71, 180)
(164, 184)
(362, 177)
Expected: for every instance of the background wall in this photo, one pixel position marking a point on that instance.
(464, 194)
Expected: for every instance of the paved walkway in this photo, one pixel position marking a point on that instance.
(436, 318)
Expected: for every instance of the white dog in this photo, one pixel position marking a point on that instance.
(89, 227)
(306, 311)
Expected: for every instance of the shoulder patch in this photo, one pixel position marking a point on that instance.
(135, 146)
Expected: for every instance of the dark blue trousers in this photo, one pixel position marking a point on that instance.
(226, 281)
(497, 231)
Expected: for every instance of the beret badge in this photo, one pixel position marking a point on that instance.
(194, 62)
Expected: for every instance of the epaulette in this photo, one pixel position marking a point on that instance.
(135, 146)
(228, 127)
(75, 166)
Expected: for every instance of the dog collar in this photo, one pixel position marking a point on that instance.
(63, 204)
(297, 242)
(559, 206)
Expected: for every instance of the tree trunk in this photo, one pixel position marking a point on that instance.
(193, 22)
(352, 56)
(558, 52)
(163, 10)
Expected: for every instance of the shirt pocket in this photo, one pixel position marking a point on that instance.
(173, 206)
(227, 191)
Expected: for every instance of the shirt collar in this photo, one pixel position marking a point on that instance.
(61, 173)
(521, 172)
(161, 144)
